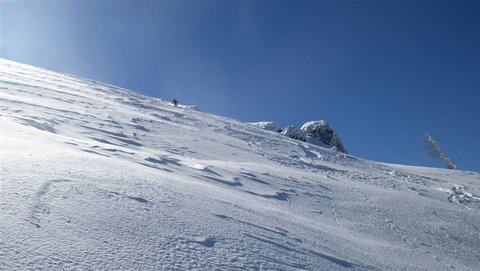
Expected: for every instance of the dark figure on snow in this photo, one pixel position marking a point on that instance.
(174, 102)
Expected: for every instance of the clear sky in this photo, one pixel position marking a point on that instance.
(381, 72)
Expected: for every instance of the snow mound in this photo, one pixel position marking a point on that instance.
(266, 125)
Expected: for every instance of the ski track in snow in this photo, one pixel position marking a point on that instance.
(94, 177)
(332, 198)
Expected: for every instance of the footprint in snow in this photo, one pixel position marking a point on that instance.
(205, 241)
(139, 199)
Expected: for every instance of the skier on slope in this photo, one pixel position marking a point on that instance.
(174, 102)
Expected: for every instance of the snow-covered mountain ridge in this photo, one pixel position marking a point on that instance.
(94, 177)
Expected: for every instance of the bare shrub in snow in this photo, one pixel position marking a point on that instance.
(435, 152)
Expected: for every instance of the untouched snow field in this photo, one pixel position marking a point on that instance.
(94, 177)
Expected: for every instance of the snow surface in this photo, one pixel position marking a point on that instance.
(94, 177)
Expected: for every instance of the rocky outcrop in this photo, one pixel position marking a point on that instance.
(321, 132)
(294, 132)
(314, 132)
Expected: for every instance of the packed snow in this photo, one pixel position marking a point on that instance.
(95, 177)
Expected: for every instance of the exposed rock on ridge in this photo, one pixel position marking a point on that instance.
(314, 132)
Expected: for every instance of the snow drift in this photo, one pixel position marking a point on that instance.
(94, 177)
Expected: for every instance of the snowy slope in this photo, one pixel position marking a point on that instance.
(94, 177)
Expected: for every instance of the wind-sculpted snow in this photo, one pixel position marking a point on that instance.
(94, 177)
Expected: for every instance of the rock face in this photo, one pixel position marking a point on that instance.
(321, 132)
(294, 132)
(314, 132)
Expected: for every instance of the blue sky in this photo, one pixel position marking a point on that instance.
(381, 72)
